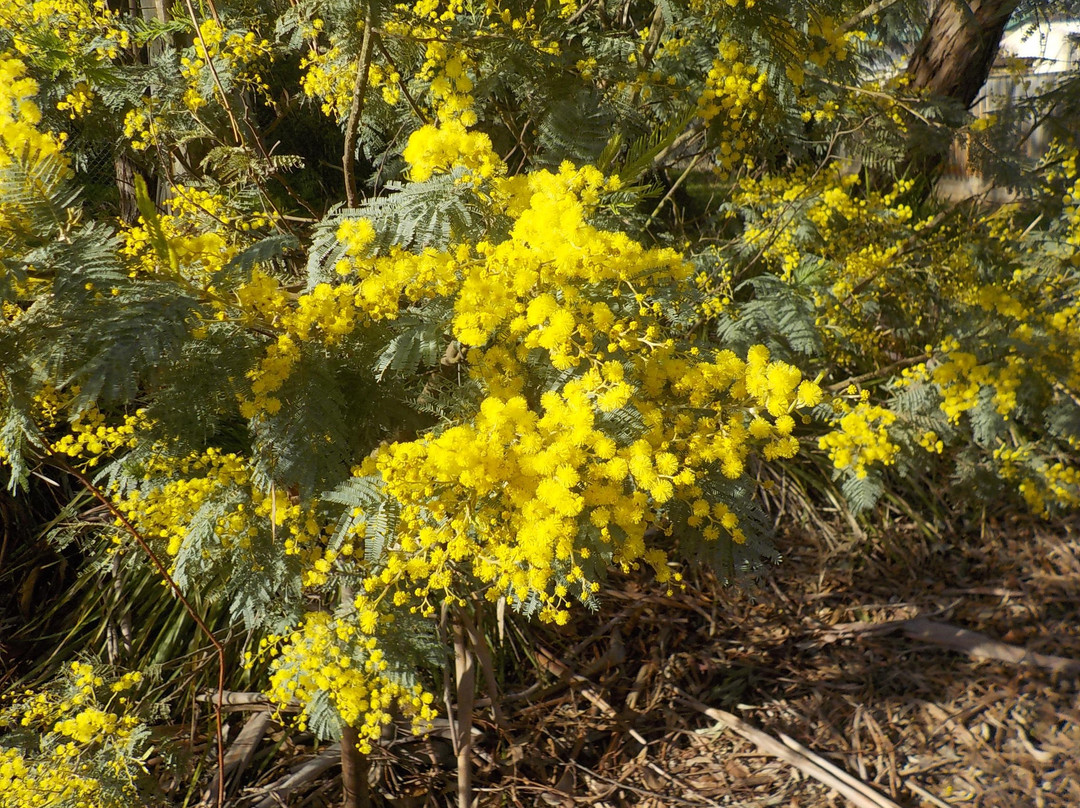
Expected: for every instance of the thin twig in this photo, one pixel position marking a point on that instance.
(277, 793)
(247, 700)
(866, 13)
(219, 649)
(237, 131)
(873, 374)
(548, 660)
(632, 789)
(401, 82)
(673, 189)
(918, 790)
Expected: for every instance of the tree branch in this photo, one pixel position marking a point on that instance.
(348, 158)
(61, 463)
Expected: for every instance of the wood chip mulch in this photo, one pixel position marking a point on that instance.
(869, 660)
(919, 723)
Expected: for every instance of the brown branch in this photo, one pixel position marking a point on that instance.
(242, 750)
(973, 643)
(62, 463)
(487, 667)
(348, 158)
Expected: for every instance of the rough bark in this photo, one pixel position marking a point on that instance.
(952, 62)
(954, 57)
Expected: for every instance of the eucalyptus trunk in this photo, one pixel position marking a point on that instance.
(958, 48)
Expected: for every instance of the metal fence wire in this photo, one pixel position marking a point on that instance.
(94, 160)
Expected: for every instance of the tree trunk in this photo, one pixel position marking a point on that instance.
(959, 46)
(354, 771)
(465, 668)
(952, 62)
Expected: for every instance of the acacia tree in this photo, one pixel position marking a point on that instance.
(359, 404)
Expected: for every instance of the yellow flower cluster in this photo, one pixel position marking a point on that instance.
(78, 101)
(849, 225)
(330, 77)
(831, 41)
(244, 53)
(89, 753)
(261, 299)
(736, 99)
(91, 438)
(164, 509)
(20, 117)
(857, 257)
(50, 404)
(862, 438)
(435, 10)
(78, 30)
(859, 249)
(852, 243)
(357, 235)
(142, 126)
(451, 85)
(335, 656)
(525, 497)
(81, 36)
(440, 149)
(931, 443)
(960, 378)
(1071, 199)
(165, 512)
(1043, 483)
(524, 494)
(198, 207)
(22, 139)
(203, 231)
(331, 312)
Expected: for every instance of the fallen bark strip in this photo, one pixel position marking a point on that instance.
(241, 751)
(972, 643)
(791, 752)
(278, 792)
(244, 700)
